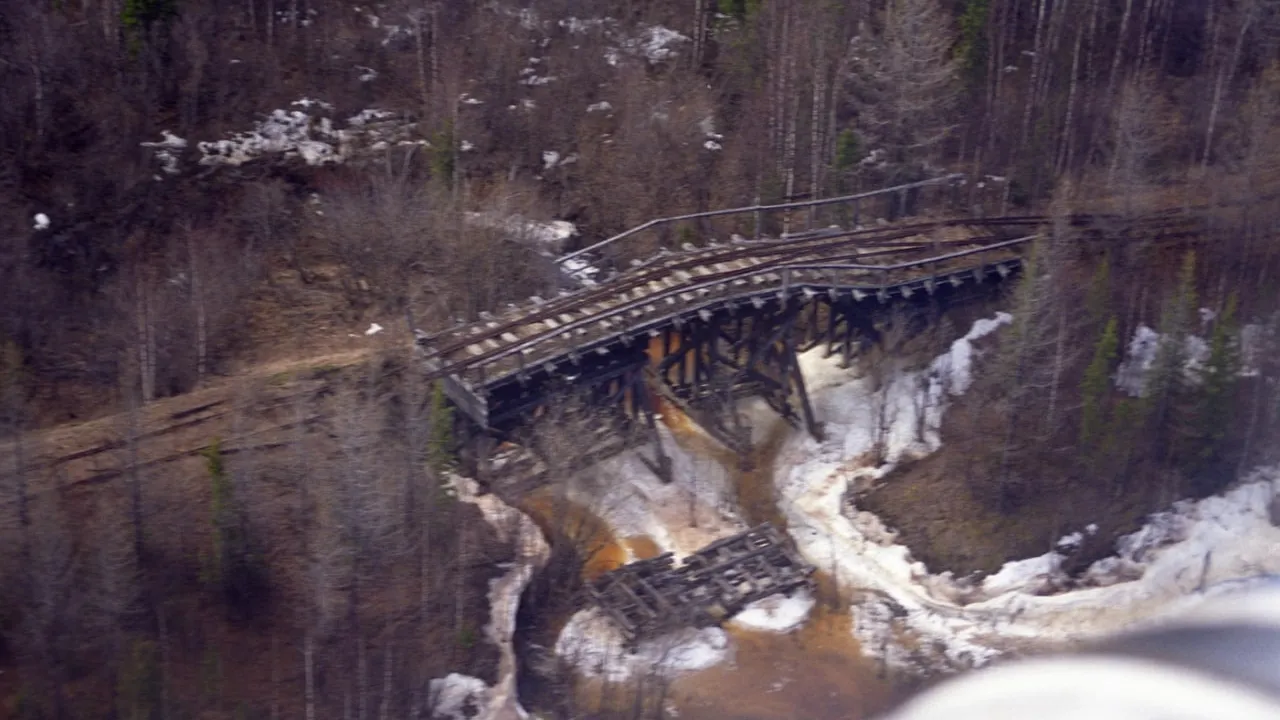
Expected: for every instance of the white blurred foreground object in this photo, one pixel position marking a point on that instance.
(1221, 660)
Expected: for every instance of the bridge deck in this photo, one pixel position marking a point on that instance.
(672, 284)
(603, 330)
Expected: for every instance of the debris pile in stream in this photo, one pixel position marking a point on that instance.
(650, 597)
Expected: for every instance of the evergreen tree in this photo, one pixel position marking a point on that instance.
(440, 439)
(972, 49)
(1166, 385)
(1215, 401)
(234, 564)
(1099, 297)
(1094, 387)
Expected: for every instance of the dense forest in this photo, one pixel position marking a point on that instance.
(191, 188)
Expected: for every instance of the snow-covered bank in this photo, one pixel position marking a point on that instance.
(776, 613)
(681, 517)
(904, 614)
(694, 510)
(592, 643)
(460, 696)
(1179, 555)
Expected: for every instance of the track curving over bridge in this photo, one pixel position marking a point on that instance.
(703, 325)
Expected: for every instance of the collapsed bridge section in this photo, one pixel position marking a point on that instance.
(650, 597)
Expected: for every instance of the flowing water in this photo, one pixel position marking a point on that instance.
(815, 673)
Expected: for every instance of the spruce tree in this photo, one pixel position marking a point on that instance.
(1093, 388)
(1097, 302)
(1215, 401)
(440, 439)
(1166, 381)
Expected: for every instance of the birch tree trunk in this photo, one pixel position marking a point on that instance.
(198, 307)
(1225, 75)
(1067, 143)
(309, 672)
(1037, 62)
(362, 678)
(699, 32)
(37, 77)
(135, 477)
(144, 338)
(817, 149)
(435, 49)
(384, 711)
(1119, 51)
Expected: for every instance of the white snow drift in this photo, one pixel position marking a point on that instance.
(593, 644)
(311, 136)
(1163, 567)
(1194, 550)
(461, 697)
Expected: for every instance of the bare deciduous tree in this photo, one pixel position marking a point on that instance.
(905, 78)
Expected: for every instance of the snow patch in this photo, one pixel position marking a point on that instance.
(1070, 541)
(1172, 562)
(309, 103)
(374, 329)
(776, 613)
(369, 115)
(167, 151)
(593, 644)
(654, 43)
(602, 106)
(531, 552)
(458, 697)
(692, 511)
(1031, 575)
(551, 235)
(41, 221)
(1144, 348)
(311, 137)
(581, 269)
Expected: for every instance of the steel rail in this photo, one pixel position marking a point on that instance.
(767, 251)
(707, 282)
(656, 268)
(770, 253)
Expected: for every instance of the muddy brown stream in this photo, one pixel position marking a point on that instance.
(816, 673)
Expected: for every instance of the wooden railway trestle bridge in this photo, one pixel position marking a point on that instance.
(702, 326)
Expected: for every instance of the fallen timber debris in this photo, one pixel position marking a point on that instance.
(651, 597)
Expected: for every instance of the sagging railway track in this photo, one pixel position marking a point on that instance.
(496, 368)
(764, 256)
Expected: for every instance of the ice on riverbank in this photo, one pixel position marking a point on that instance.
(776, 613)
(594, 645)
(1161, 569)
